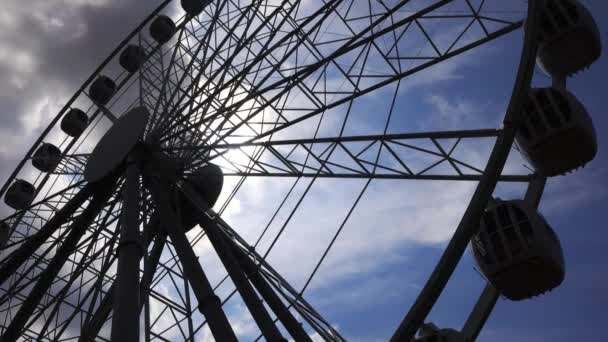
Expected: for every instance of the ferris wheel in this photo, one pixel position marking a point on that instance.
(114, 200)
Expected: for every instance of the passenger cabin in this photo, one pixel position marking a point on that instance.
(102, 90)
(162, 29)
(430, 333)
(5, 231)
(132, 58)
(208, 181)
(20, 195)
(557, 135)
(517, 250)
(194, 7)
(46, 158)
(74, 122)
(570, 39)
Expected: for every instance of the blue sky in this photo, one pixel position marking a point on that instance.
(575, 206)
(399, 229)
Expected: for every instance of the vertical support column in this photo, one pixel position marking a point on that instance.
(125, 321)
(209, 303)
(252, 301)
(92, 328)
(292, 325)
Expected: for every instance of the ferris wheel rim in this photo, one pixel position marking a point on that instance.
(92, 77)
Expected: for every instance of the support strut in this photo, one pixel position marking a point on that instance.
(77, 229)
(209, 303)
(35, 241)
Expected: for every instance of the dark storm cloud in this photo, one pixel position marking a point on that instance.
(47, 49)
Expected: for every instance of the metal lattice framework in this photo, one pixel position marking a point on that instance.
(249, 86)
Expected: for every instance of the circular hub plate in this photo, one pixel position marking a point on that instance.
(116, 144)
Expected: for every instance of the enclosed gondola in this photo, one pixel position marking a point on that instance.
(20, 195)
(518, 251)
(430, 333)
(132, 57)
(162, 29)
(102, 90)
(557, 135)
(74, 122)
(570, 39)
(46, 158)
(194, 7)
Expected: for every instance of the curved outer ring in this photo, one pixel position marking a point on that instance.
(79, 92)
(469, 222)
(466, 228)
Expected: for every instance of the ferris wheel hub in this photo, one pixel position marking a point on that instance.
(116, 144)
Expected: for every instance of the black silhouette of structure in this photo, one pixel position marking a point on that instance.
(84, 254)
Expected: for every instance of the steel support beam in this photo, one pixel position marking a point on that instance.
(77, 229)
(252, 301)
(209, 303)
(35, 241)
(125, 321)
(92, 328)
(292, 325)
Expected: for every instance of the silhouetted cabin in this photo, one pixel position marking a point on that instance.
(570, 39)
(5, 230)
(557, 135)
(74, 122)
(430, 333)
(208, 181)
(132, 57)
(162, 29)
(102, 90)
(194, 7)
(518, 251)
(20, 195)
(46, 158)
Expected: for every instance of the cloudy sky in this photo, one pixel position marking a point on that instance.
(397, 233)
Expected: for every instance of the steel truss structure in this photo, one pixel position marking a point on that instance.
(236, 86)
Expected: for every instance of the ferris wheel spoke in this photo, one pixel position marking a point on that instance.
(89, 256)
(33, 242)
(78, 228)
(355, 157)
(250, 52)
(323, 12)
(225, 238)
(354, 44)
(209, 302)
(204, 44)
(72, 165)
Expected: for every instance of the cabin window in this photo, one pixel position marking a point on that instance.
(562, 104)
(526, 231)
(499, 249)
(512, 240)
(537, 123)
(488, 219)
(571, 10)
(503, 216)
(557, 14)
(548, 109)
